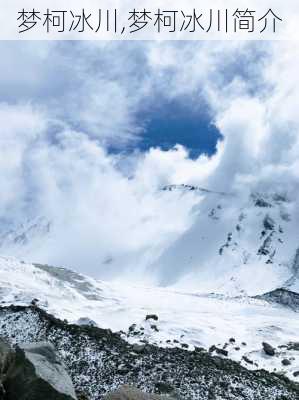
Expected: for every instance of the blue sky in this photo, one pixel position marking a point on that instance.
(169, 123)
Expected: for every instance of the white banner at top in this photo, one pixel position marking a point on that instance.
(149, 20)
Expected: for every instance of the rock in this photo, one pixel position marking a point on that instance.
(232, 340)
(163, 387)
(152, 316)
(247, 360)
(84, 321)
(259, 202)
(269, 223)
(295, 374)
(212, 348)
(218, 351)
(293, 346)
(132, 328)
(36, 373)
(122, 369)
(222, 352)
(131, 393)
(285, 362)
(155, 328)
(282, 296)
(34, 302)
(82, 396)
(217, 361)
(6, 355)
(268, 349)
(138, 348)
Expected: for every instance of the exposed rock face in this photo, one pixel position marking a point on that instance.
(295, 270)
(5, 355)
(5, 358)
(126, 392)
(36, 373)
(99, 362)
(282, 296)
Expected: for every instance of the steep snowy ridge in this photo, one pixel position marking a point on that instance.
(235, 246)
(184, 319)
(185, 187)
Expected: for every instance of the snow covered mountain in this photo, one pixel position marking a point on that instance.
(238, 325)
(20, 239)
(228, 282)
(235, 245)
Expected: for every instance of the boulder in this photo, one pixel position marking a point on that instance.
(285, 362)
(6, 355)
(36, 373)
(84, 321)
(219, 351)
(152, 316)
(247, 360)
(138, 348)
(126, 392)
(268, 349)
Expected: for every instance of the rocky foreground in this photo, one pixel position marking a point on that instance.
(99, 362)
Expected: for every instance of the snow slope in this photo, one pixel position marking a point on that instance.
(184, 318)
(236, 246)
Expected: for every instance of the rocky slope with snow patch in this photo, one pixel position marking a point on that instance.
(100, 361)
(185, 318)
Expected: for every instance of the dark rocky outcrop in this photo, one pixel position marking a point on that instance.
(33, 371)
(152, 316)
(268, 223)
(283, 297)
(5, 358)
(100, 361)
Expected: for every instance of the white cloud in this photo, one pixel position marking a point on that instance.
(54, 160)
(21, 126)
